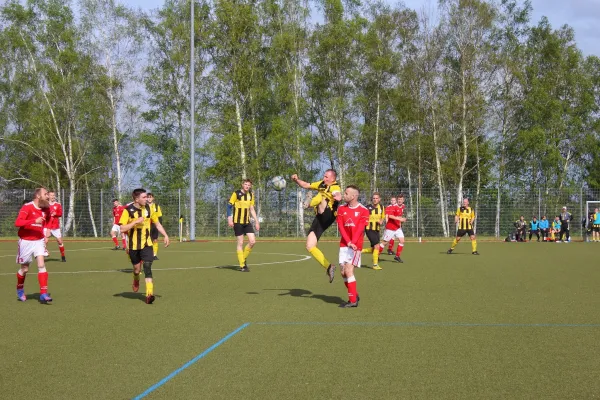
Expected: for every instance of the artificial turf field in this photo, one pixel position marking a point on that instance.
(520, 321)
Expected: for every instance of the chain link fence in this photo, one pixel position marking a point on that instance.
(280, 214)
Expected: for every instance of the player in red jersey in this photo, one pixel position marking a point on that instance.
(394, 214)
(116, 228)
(55, 211)
(31, 221)
(352, 219)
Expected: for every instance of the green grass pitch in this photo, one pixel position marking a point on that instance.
(521, 321)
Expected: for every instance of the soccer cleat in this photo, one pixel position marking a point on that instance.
(331, 272)
(449, 251)
(244, 269)
(557, 241)
(475, 253)
(349, 304)
(45, 298)
(63, 259)
(117, 248)
(135, 286)
(21, 295)
(150, 299)
(397, 258)
(376, 267)
(390, 252)
(155, 258)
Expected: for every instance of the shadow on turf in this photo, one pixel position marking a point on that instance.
(133, 296)
(307, 294)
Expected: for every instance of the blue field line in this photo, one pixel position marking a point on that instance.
(189, 363)
(433, 324)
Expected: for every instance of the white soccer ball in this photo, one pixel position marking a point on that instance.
(278, 183)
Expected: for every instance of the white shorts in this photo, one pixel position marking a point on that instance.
(349, 256)
(389, 234)
(28, 249)
(116, 228)
(56, 233)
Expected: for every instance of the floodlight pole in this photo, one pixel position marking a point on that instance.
(192, 138)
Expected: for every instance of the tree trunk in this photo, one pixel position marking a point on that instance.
(115, 134)
(89, 202)
(438, 166)
(463, 162)
(478, 180)
(241, 138)
(376, 143)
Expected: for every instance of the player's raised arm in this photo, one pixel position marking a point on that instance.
(301, 183)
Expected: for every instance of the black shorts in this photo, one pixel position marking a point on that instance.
(596, 228)
(242, 229)
(534, 231)
(463, 232)
(153, 232)
(144, 255)
(322, 222)
(373, 237)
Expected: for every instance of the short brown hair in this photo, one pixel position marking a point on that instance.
(38, 191)
(137, 192)
(247, 180)
(401, 196)
(376, 194)
(353, 187)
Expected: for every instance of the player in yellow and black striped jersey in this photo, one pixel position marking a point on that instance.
(325, 204)
(155, 207)
(239, 210)
(373, 230)
(135, 221)
(464, 218)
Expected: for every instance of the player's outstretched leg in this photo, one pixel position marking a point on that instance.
(149, 282)
(43, 281)
(454, 243)
(474, 246)
(21, 275)
(311, 246)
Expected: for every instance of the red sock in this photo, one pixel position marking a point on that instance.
(20, 281)
(346, 282)
(62, 250)
(115, 241)
(43, 280)
(391, 246)
(124, 243)
(352, 289)
(399, 250)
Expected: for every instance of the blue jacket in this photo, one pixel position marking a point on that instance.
(544, 224)
(535, 225)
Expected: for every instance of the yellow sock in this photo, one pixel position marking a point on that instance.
(155, 247)
(368, 250)
(376, 255)
(240, 254)
(319, 256)
(136, 277)
(149, 288)
(315, 201)
(247, 251)
(454, 243)
(474, 245)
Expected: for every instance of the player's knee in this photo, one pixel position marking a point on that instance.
(24, 268)
(41, 268)
(148, 269)
(251, 242)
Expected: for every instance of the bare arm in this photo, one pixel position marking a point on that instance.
(304, 185)
(253, 214)
(162, 232)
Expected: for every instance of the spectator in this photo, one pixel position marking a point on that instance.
(587, 225)
(555, 228)
(544, 228)
(534, 228)
(565, 218)
(521, 226)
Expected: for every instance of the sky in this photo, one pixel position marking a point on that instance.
(582, 15)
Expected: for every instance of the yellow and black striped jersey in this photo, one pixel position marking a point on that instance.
(465, 215)
(241, 203)
(155, 208)
(376, 214)
(327, 192)
(139, 235)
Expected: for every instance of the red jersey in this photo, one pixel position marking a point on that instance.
(117, 211)
(352, 223)
(55, 212)
(28, 228)
(396, 211)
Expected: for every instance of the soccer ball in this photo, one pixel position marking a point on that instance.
(278, 183)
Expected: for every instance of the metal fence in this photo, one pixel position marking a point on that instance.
(91, 214)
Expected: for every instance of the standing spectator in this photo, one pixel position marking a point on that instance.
(596, 226)
(565, 218)
(521, 226)
(544, 228)
(534, 228)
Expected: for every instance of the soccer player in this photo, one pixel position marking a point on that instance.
(352, 218)
(464, 218)
(565, 219)
(325, 204)
(53, 223)
(153, 231)
(376, 217)
(135, 221)
(394, 214)
(534, 228)
(31, 221)
(239, 210)
(544, 228)
(116, 228)
(596, 226)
